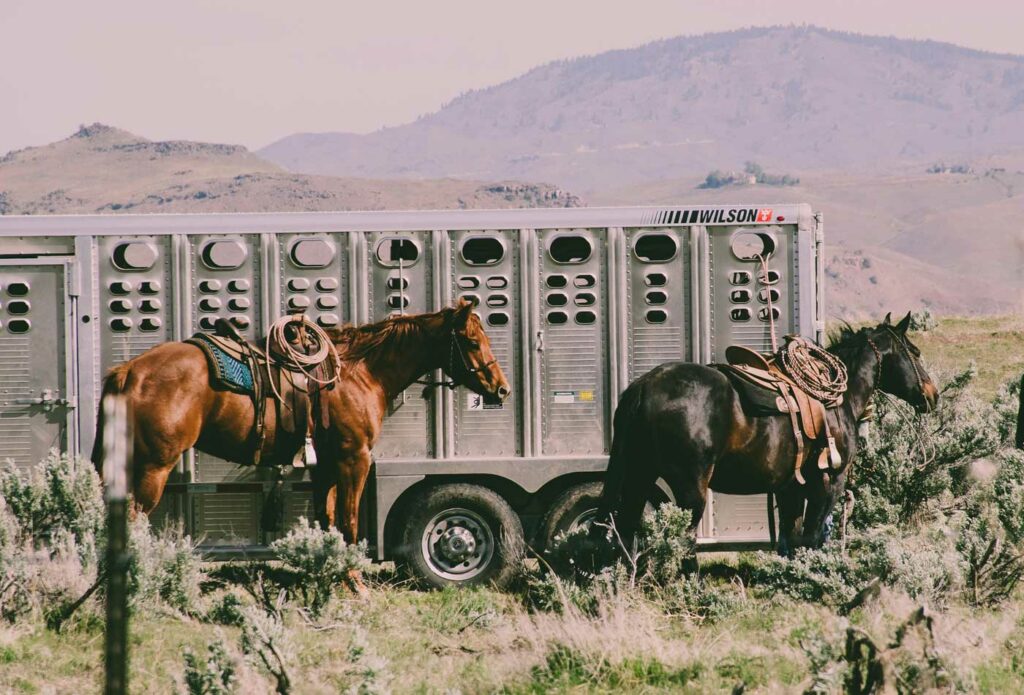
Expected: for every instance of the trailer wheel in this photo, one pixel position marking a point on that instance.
(573, 509)
(461, 534)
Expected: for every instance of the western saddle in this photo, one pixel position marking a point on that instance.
(766, 387)
(295, 384)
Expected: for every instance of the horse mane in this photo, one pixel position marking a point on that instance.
(846, 339)
(390, 338)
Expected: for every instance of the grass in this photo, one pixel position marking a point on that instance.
(484, 641)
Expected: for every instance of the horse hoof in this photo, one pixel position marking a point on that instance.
(356, 583)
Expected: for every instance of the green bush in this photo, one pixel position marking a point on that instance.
(215, 676)
(320, 561)
(164, 569)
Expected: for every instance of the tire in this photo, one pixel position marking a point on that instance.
(574, 508)
(461, 535)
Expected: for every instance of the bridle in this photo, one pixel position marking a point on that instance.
(467, 368)
(901, 343)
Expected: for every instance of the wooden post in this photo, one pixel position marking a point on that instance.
(117, 456)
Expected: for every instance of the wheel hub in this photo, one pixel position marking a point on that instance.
(457, 543)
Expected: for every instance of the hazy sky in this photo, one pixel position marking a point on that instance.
(251, 71)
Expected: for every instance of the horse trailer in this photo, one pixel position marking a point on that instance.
(577, 303)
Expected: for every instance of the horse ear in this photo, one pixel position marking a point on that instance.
(903, 325)
(463, 310)
(887, 321)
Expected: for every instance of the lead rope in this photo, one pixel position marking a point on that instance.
(768, 293)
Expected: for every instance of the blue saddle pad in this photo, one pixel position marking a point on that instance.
(225, 371)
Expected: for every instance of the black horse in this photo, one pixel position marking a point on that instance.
(684, 423)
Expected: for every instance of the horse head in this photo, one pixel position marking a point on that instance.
(470, 362)
(900, 371)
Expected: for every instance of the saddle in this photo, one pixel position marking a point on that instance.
(766, 389)
(243, 367)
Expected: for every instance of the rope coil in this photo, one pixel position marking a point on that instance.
(814, 369)
(290, 354)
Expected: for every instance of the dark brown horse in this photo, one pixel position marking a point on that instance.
(685, 423)
(174, 407)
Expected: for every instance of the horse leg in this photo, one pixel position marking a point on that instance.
(817, 525)
(790, 504)
(351, 469)
(324, 477)
(690, 489)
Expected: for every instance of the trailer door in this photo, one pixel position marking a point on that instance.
(34, 397)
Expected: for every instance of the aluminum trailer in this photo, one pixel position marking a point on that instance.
(577, 302)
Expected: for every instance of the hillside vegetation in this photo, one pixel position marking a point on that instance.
(921, 595)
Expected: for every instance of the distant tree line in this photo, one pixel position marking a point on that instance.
(753, 173)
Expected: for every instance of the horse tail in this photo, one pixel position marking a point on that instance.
(632, 464)
(114, 383)
(1019, 439)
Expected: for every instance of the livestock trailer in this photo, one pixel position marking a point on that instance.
(577, 303)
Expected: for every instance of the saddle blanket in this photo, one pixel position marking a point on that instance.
(226, 372)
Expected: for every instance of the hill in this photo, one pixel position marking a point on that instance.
(950, 242)
(101, 169)
(789, 97)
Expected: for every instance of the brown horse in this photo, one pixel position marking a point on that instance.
(174, 407)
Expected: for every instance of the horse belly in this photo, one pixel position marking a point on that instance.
(742, 475)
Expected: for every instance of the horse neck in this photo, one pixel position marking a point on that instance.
(403, 358)
(863, 369)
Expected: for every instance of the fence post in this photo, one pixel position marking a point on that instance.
(117, 456)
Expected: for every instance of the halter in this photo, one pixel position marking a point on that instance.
(467, 367)
(901, 343)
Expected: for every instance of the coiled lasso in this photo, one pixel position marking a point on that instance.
(290, 355)
(814, 369)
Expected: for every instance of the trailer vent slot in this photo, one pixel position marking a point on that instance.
(739, 296)
(18, 289)
(497, 282)
(557, 299)
(327, 302)
(239, 286)
(657, 297)
(557, 282)
(571, 249)
(655, 248)
(767, 292)
(656, 316)
(467, 282)
(327, 284)
(209, 286)
(763, 313)
(585, 280)
(120, 306)
(397, 301)
(498, 318)
(557, 317)
(149, 306)
(241, 321)
(209, 304)
(19, 326)
(122, 325)
(121, 287)
(497, 300)
(239, 304)
(224, 255)
(18, 307)
(656, 279)
(398, 283)
(312, 253)
(135, 255)
(298, 302)
(771, 278)
(482, 250)
(395, 250)
(207, 322)
(739, 277)
(149, 287)
(742, 314)
(328, 320)
(298, 284)
(473, 299)
(585, 317)
(585, 299)
(149, 325)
